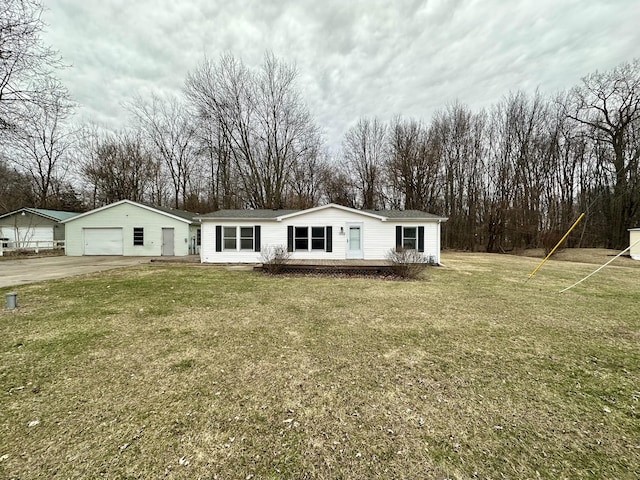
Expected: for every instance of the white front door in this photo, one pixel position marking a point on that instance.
(354, 240)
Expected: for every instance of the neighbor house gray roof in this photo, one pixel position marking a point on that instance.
(57, 215)
(277, 214)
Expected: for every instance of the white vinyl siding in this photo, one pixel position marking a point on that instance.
(378, 237)
(128, 216)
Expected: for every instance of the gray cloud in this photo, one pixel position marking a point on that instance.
(357, 58)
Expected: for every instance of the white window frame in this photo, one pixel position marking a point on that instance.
(296, 237)
(241, 238)
(415, 239)
(238, 238)
(310, 238)
(324, 239)
(225, 237)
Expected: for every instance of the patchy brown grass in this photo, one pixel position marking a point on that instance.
(183, 372)
(598, 256)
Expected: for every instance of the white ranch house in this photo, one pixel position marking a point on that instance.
(132, 229)
(329, 232)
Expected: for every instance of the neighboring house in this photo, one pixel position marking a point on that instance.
(132, 229)
(33, 228)
(330, 232)
(634, 242)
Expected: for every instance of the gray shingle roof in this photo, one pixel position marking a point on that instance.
(248, 214)
(408, 214)
(273, 214)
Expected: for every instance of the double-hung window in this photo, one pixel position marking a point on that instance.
(305, 238)
(230, 238)
(410, 238)
(238, 238)
(246, 238)
(301, 240)
(317, 238)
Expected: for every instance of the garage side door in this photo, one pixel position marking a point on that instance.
(102, 241)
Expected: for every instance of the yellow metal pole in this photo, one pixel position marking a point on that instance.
(556, 247)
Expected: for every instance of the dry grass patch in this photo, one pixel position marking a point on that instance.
(182, 372)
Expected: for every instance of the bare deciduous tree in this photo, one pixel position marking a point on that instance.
(40, 144)
(25, 62)
(172, 133)
(262, 120)
(117, 166)
(364, 150)
(413, 166)
(607, 105)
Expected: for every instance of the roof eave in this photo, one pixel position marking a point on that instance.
(130, 202)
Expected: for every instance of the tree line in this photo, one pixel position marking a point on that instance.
(514, 175)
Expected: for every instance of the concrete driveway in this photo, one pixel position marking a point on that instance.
(29, 270)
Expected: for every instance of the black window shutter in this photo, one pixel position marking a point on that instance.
(289, 238)
(256, 238)
(398, 237)
(421, 239)
(218, 238)
(329, 239)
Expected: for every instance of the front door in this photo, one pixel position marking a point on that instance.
(354, 240)
(168, 242)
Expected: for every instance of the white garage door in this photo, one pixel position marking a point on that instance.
(28, 237)
(102, 241)
(36, 236)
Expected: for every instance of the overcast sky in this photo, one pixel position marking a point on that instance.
(354, 58)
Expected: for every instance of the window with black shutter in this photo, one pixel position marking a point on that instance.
(305, 238)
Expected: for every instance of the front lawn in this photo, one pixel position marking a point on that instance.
(201, 372)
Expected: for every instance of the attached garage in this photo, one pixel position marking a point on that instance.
(132, 229)
(103, 241)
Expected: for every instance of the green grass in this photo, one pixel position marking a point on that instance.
(192, 372)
